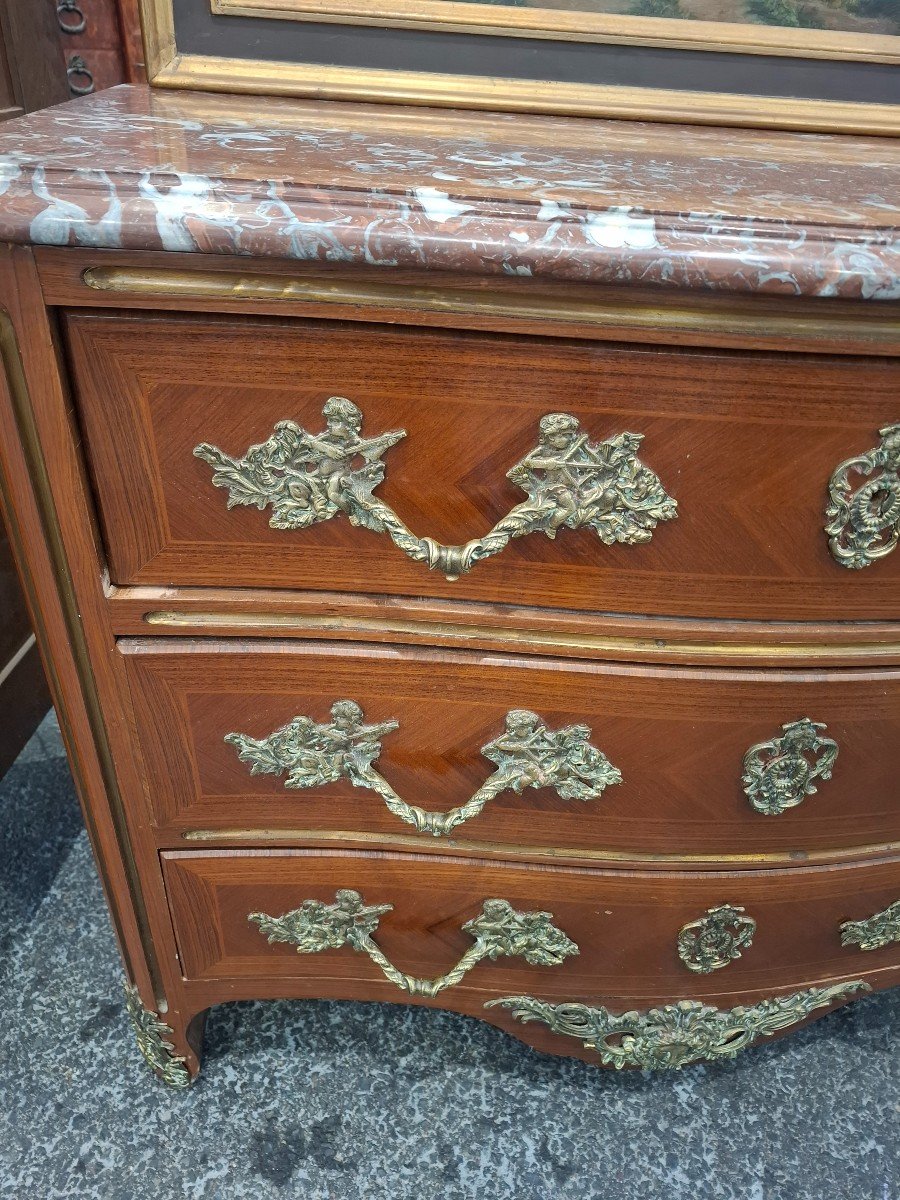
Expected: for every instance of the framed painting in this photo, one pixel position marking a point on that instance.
(815, 65)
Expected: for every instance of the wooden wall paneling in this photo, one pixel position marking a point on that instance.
(33, 74)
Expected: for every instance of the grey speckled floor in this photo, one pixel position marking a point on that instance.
(350, 1102)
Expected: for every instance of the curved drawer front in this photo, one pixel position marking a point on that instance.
(400, 926)
(240, 738)
(539, 472)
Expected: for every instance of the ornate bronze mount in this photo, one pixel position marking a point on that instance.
(716, 939)
(875, 932)
(527, 754)
(863, 522)
(570, 482)
(151, 1035)
(780, 774)
(499, 931)
(679, 1034)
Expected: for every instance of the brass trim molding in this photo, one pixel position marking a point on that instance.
(526, 754)
(347, 837)
(446, 631)
(499, 931)
(881, 328)
(580, 25)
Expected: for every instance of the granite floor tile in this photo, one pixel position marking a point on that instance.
(330, 1101)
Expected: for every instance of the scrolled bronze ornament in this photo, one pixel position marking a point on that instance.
(715, 939)
(875, 932)
(526, 754)
(570, 482)
(781, 773)
(151, 1035)
(863, 518)
(499, 931)
(675, 1035)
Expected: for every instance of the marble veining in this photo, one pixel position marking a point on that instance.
(570, 198)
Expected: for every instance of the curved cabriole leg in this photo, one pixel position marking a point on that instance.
(171, 1045)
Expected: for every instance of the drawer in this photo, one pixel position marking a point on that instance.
(239, 740)
(745, 443)
(606, 933)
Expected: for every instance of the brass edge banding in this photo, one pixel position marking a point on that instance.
(810, 858)
(18, 388)
(231, 285)
(445, 631)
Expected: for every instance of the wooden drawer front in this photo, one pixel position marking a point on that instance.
(678, 738)
(746, 443)
(625, 925)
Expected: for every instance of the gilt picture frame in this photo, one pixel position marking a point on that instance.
(517, 55)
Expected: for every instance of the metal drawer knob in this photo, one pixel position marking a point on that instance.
(863, 521)
(570, 482)
(499, 931)
(781, 773)
(526, 754)
(715, 939)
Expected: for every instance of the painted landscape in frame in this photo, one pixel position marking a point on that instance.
(847, 16)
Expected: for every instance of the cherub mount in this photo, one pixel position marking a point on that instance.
(570, 482)
(526, 754)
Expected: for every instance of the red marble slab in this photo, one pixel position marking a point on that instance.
(572, 198)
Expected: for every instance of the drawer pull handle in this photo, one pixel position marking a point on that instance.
(863, 522)
(781, 773)
(77, 24)
(675, 1035)
(875, 932)
(570, 482)
(526, 754)
(499, 931)
(715, 939)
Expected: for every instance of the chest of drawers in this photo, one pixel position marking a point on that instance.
(482, 598)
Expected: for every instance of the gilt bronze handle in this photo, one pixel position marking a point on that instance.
(863, 520)
(675, 1035)
(570, 482)
(875, 932)
(716, 939)
(499, 931)
(781, 773)
(527, 754)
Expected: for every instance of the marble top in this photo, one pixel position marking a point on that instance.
(572, 198)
